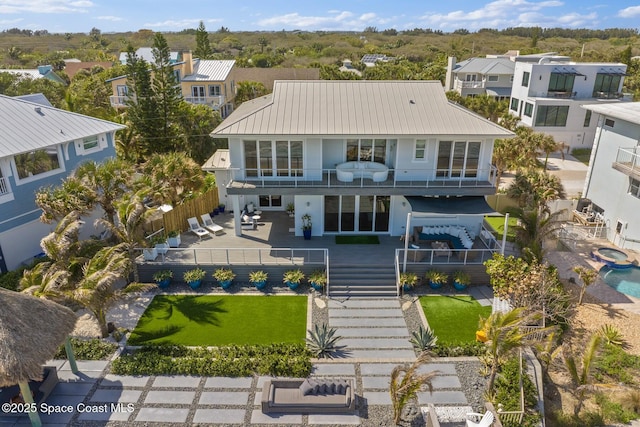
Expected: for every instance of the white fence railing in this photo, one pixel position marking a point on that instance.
(237, 256)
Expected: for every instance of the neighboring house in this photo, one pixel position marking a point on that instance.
(71, 67)
(371, 59)
(358, 156)
(548, 95)
(42, 72)
(613, 179)
(267, 76)
(40, 146)
(202, 81)
(480, 76)
(347, 67)
(146, 53)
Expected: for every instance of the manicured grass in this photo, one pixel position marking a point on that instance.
(209, 320)
(497, 223)
(454, 319)
(357, 240)
(582, 154)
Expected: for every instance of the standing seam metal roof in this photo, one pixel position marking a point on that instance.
(628, 111)
(326, 107)
(210, 70)
(26, 126)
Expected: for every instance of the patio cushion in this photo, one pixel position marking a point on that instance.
(307, 388)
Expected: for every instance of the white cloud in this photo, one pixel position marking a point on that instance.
(8, 22)
(629, 12)
(335, 20)
(110, 18)
(170, 23)
(45, 6)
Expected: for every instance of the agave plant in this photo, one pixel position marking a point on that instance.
(612, 336)
(423, 339)
(322, 341)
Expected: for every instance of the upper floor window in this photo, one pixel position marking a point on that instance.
(419, 152)
(609, 122)
(514, 104)
(492, 78)
(606, 84)
(634, 187)
(39, 162)
(90, 142)
(176, 74)
(5, 188)
(458, 159)
(525, 79)
(367, 150)
(214, 90)
(528, 109)
(273, 158)
(122, 90)
(552, 115)
(559, 82)
(587, 119)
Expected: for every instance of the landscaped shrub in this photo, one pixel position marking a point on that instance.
(507, 393)
(291, 360)
(614, 412)
(585, 419)
(615, 365)
(93, 349)
(459, 349)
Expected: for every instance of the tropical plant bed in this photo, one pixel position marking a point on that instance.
(454, 319)
(207, 320)
(93, 349)
(357, 240)
(286, 360)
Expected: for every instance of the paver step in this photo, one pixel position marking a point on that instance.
(379, 343)
(359, 322)
(365, 312)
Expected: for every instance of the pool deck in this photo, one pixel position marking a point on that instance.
(580, 255)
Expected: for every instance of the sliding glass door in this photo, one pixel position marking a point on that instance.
(458, 159)
(356, 214)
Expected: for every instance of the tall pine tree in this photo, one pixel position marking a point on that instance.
(203, 47)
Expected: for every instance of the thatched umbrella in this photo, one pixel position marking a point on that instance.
(31, 329)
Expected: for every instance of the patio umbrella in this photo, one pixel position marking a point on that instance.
(31, 329)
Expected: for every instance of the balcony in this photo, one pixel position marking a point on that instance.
(561, 95)
(608, 95)
(4, 186)
(628, 161)
(212, 101)
(120, 101)
(461, 84)
(398, 182)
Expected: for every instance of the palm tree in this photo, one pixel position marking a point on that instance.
(173, 176)
(548, 145)
(581, 377)
(406, 382)
(109, 181)
(57, 202)
(588, 276)
(533, 189)
(96, 291)
(533, 230)
(504, 336)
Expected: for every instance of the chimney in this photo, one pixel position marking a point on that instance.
(187, 58)
(448, 83)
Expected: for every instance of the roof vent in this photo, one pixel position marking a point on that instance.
(38, 110)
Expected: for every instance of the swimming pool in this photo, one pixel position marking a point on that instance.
(625, 280)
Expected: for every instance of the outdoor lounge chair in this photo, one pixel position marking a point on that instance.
(486, 420)
(195, 228)
(208, 223)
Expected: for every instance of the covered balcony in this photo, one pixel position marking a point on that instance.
(4, 186)
(628, 161)
(212, 101)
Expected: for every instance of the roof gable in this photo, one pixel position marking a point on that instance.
(326, 107)
(26, 126)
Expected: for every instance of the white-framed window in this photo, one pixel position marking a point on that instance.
(528, 109)
(609, 122)
(6, 193)
(367, 150)
(458, 159)
(270, 201)
(634, 187)
(122, 90)
(37, 164)
(273, 158)
(214, 90)
(197, 91)
(419, 152)
(176, 74)
(88, 145)
(525, 78)
(492, 78)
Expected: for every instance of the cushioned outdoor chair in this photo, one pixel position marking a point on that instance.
(195, 228)
(486, 420)
(208, 223)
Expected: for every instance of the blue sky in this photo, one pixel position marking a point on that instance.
(60, 16)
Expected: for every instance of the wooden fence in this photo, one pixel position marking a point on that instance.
(176, 219)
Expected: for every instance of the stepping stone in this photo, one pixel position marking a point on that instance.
(228, 382)
(367, 321)
(382, 354)
(377, 369)
(122, 416)
(363, 312)
(334, 419)
(161, 415)
(353, 343)
(446, 381)
(326, 369)
(72, 389)
(365, 303)
(372, 332)
(85, 366)
(172, 397)
(109, 395)
(111, 380)
(376, 382)
(442, 398)
(257, 417)
(377, 397)
(442, 368)
(219, 416)
(239, 398)
(179, 381)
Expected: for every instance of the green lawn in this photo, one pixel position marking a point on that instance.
(453, 319)
(497, 223)
(221, 320)
(582, 154)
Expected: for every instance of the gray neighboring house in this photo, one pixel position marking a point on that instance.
(480, 76)
(612, 184)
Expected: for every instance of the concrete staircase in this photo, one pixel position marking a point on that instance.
(364, 280)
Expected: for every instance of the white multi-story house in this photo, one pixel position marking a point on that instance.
(480, 76)
(358, 156)
(548, 96)
(613, 178)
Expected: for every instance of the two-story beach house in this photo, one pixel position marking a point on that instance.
(480, 76)
(358, 156)
(548, 96)
(40, 146)
(202, 81)
(612, 184)
(42, 72)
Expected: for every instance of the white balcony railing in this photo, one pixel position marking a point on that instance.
(396, 178)
(4, 186)
(628, 161)
(207, 100)
(461, 84)
(120, 100)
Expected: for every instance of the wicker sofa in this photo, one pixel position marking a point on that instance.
(291, 396)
